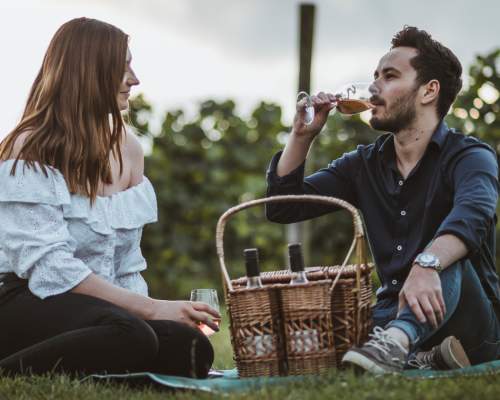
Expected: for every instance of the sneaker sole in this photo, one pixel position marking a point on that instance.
(453, 353)
(363, 362)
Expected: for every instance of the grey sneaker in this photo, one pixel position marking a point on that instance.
(448, 355)
(380, 355)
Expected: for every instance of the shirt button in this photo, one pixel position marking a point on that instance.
(400, 183)
(403, 213)
(399, 247)
(394, 282)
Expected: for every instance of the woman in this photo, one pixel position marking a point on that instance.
(72, 207)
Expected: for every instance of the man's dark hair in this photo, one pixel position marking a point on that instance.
(433, 61)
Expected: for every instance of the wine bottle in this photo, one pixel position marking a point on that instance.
(260, 345)
(302, 340)
(297, 264)
(252, 268)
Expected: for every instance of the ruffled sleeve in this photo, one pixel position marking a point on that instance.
(134, 282)
(34, 235)
(141, 199)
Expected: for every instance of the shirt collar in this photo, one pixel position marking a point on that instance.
(440, 134)
(438, 137)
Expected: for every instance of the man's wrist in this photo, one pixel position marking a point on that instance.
(302, 138)
(428, 260)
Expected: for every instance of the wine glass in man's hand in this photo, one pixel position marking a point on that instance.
(351, 98)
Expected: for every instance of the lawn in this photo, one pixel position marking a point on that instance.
(336, 385)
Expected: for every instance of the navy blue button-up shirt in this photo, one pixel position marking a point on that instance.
(453, 189)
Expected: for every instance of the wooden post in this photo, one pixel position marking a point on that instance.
(299, 232)
(306, 43)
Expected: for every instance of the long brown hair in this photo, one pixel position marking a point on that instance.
(72, 118)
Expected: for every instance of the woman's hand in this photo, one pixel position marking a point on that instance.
(323, 103)
(191, 313)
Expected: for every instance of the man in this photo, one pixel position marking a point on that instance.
(428, 196)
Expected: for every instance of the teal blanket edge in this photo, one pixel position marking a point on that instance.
(230, 382)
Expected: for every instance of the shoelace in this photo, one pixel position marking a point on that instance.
(418, 364)
(431, 359)
(381, 341)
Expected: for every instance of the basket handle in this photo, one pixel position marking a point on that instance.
(358, 241)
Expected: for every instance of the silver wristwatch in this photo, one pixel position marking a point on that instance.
(428, 260)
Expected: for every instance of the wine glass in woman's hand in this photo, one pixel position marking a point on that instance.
(208, 296)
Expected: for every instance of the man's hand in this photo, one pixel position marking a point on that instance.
(422, 293)
(302, 135)
(322, 103)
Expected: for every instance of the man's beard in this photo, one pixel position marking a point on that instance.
(402, 115)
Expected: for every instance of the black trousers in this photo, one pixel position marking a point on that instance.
(79, 334)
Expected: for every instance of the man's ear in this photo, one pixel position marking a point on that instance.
(430, 91)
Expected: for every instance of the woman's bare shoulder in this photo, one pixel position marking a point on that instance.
(134, 154)
(132, 144)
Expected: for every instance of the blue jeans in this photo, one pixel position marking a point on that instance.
(469, 317)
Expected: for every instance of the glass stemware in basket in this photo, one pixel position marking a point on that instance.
(352, 98)
(208, 296)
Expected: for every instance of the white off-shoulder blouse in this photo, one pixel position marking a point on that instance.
(55, 239)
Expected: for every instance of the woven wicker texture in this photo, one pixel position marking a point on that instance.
(256, 332)
(308, 328)
(291, 330)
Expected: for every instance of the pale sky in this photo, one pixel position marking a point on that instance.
(187, 51)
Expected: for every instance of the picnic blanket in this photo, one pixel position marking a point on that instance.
(230, 382)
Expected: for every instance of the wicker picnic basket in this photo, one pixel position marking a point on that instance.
(292, 330)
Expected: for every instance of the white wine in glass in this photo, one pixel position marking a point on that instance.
(352, 98)
(208, 296)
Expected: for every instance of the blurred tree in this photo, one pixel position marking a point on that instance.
(199, 169)
(202, 167)
(477, 110)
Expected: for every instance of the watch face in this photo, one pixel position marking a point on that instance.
(427, 258)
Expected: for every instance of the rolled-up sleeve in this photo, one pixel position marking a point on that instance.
(475, 181)
(334, 181)
(38, 246)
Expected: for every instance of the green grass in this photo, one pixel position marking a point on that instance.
(222, 345)
(336, 385)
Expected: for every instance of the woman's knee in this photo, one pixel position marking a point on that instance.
(198, 349)
(204, 354)
(135, 337)
(183, 350)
